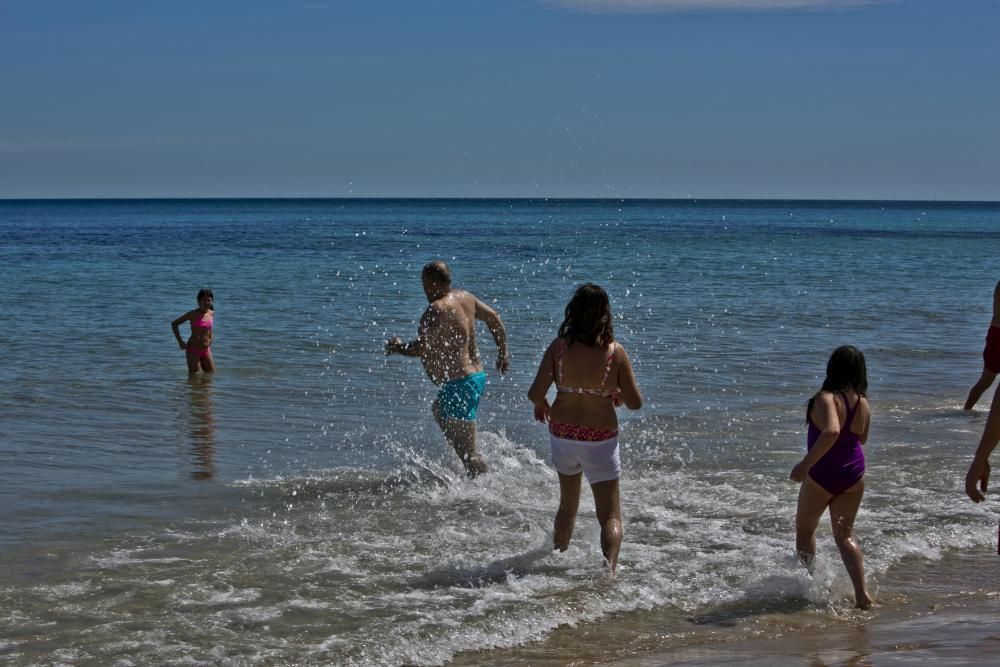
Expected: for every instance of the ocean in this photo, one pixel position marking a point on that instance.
(301, 507)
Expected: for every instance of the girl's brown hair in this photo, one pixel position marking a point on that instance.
(588, 317)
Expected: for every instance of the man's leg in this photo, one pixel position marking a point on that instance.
(461, 435)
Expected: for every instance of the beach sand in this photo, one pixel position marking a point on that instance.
(960, 632)
(944, 611)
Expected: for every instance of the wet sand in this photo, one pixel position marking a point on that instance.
(930, 612)
(963, 632)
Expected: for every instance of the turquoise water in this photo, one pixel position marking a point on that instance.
(301, 505)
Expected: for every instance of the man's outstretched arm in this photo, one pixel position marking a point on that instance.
(425, 332)
(395, 345)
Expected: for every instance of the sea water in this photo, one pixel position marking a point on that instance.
(301, 506)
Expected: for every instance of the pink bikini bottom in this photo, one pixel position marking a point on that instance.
(200, 352)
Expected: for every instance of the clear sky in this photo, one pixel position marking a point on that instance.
(492, 98)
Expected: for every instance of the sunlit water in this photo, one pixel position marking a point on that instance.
(301, 506)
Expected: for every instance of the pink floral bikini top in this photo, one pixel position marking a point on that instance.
(590, 391)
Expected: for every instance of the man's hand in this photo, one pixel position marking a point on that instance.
(542, 412)
(976, 480)
(393, 345)
(503, 362)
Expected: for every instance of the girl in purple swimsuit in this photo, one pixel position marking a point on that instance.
(198, 347)
(832, 471)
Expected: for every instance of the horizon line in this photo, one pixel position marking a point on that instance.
(497, 198)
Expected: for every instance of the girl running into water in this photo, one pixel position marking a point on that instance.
(593, 376)
(832, 472)
(199, 345)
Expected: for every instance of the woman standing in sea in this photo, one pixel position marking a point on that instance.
(199, 345)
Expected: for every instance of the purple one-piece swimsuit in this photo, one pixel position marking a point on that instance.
(843, 465)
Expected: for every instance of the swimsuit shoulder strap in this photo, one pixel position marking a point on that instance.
(607, 367)
(560, 350)
(850, 412)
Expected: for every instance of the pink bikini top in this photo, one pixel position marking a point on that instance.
(590, 391)
(205, 322)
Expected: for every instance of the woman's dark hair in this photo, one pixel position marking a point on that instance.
(845, 370)
(588, 317)
(205, 292)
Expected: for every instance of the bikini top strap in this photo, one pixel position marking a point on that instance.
(560, 349)
(607, 368)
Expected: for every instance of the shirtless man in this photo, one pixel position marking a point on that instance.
(446, 344)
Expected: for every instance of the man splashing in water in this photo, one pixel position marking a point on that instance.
(446, 344)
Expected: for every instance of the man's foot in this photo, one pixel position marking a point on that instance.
(474, 467)
(865, 602)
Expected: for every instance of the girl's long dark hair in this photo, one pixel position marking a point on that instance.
(845, 370)
(588, 317)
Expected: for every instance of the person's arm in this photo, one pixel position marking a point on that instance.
(868, 420)
(996, 303)
(978, 477)
(540, 387)
(395, 345)
(415, 348)
(175, 325)
(825, 417)
(627, 386)
(497, 330)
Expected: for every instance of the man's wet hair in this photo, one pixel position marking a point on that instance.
(437, 272)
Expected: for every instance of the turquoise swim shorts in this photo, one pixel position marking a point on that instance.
(459, 399)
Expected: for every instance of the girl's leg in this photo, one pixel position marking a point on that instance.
(982, 384)
(569, 504)
(813, 500)
(609, 514)
(207, 362)
(193, 362)
(843, 509)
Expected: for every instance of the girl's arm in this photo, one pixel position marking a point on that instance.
(996, 304)
(175, 325)
(868, 421)
(540, 387)
(824, 415)
(629, 388)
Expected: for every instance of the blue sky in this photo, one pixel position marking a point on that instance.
(493, 98)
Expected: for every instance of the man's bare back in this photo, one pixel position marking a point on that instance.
(448, 331)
